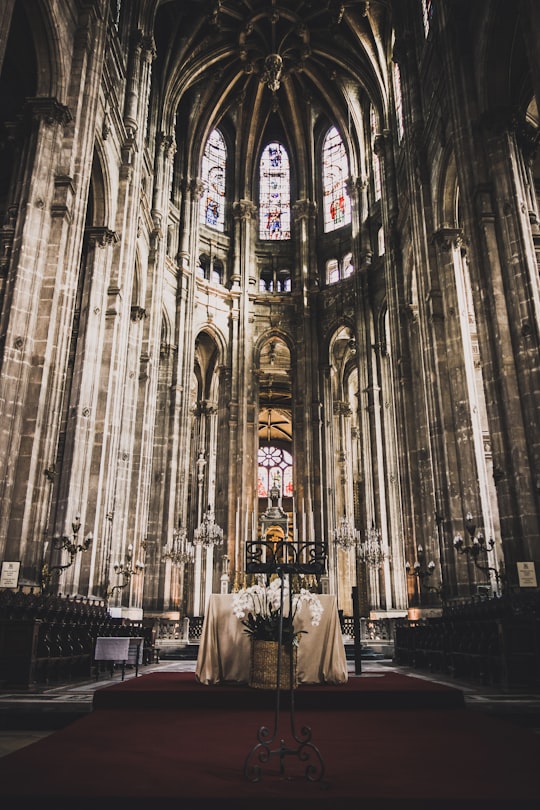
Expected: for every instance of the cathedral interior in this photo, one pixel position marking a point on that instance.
(269, 270)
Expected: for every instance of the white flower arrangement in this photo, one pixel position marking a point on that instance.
(258, 608)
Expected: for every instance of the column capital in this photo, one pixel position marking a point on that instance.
(196, 188)
(446, 238)
(101, 237)
(166, 144)
(244, 209)
(304, 209)
(49, 110)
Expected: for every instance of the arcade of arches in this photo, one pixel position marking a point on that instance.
(255, 251)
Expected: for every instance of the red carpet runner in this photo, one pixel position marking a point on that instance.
(152, 742)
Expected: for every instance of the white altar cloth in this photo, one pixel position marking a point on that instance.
(224, 651)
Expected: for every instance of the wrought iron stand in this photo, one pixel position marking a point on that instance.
(284, 558)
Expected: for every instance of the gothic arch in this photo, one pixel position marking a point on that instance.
(503, 70)
(341, 354)
(99, 192)
(210, 333)
(53, 71)
(446, 202)
(267, 336)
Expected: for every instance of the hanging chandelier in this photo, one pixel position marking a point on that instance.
(180, 551)
(345, 535)
(208, 534)
(371, 551)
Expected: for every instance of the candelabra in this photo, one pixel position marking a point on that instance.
(208, 533)
(180, 551)
(422, 571)
(479, 546)
(65, 543)
(127, 569)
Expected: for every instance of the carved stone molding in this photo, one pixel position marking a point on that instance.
(196, 189)
(166, 144)
(48, 110)
(445, 239)
(137, 313)
(304, 209)
(244, 209)
(101, 237)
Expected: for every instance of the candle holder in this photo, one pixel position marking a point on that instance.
(422, 571)
(478, 548)
(127, 569)
(69, 544)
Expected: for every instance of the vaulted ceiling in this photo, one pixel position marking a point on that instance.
(295, 58)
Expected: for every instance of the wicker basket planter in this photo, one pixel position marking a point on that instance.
(264, 661)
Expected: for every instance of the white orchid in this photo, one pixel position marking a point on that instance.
(258, 608)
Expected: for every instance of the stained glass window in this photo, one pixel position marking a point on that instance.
(398, 100)
(274, 193)
(274, 469)
(337, 206)
(214, 162)
(427, 13)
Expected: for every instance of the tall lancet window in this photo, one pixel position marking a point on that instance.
(398, 99)
(274, 193)
(214, 164)
(427, 14)
(335, 168)
(375, 163)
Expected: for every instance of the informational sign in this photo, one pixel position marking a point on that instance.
(526, 574)
(9, 578)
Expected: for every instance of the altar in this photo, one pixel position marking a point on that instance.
(225, 647)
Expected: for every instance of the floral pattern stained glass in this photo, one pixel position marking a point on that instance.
(214, 163)
(274, 193)
(337, 205)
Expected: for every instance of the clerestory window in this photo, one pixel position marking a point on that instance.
(274, 193)
(214, 164)
(335, 171)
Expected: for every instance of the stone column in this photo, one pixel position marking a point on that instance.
(19, 383)
(245, 448)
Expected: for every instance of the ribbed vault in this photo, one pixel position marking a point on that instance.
(268, 57)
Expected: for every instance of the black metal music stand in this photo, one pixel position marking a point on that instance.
(284, 558)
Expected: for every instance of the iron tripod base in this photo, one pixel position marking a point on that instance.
(305, 751)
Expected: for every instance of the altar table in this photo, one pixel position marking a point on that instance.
(225, 647)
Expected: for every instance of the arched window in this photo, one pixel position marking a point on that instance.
(375, 163)
(398, 99)
(332, 271)
(338, 269)
(214, 163)
(337, 206)
(274, 469)
(274, 193)
(427, 14)
(272, 280)
(380, 241)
